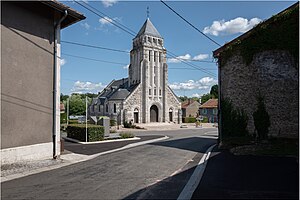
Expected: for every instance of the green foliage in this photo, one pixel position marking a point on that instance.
(189, 119)
(126, 135)
(78, 132)
(63, 97)
(112, 122)
(205, 120)
(63, 118)
(73, 121)
(77, 105)
(205, 98)
(130, 125)
(214, 92)
(281, 32)
(234, 121)
(261, 118)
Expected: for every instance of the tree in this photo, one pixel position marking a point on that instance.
(183, 98)
(77, 105)
(63, 97)
(214, 91)
(205, 98)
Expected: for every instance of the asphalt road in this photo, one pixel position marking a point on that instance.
(152, 171)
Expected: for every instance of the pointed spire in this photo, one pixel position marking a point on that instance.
(148, 12)
(148, 29)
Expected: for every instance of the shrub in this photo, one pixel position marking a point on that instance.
(189, 120)
(78, 132)
(128, 125)
(126, 135)
(261, 118)
(234, 121)
(63, 118)
(205, 120)
(113, 122)
(73, 121)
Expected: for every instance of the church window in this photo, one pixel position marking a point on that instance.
(154, 91)
(149, 39)
(106, 107)
(159, 42)
(115, 108)
(159, 92)
(149, 55)
(149, 91)
(154, 56)
(159, 58)
(154, 40)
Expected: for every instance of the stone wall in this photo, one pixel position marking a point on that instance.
(132, 102)
(173, 102)
(273, 73)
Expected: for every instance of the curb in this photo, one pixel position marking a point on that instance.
(70, 159)
(99, 142)
(192, 184)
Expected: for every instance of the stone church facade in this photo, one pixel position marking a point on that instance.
(144, 96)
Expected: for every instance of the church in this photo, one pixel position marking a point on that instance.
(144, 96)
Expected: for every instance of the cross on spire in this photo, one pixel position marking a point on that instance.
(148, 12)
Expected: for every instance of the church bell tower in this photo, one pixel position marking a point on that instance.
(148, 67)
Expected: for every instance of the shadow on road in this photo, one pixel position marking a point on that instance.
(202, 144)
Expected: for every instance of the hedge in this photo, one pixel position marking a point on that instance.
(189, 120)
(77, 131)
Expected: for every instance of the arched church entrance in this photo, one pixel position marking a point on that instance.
(153, 113)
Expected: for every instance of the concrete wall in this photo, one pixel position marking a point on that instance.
(276, 76)
(27, 77)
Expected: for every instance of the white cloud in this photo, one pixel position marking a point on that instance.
(179, 58)
(126, 67)
(85, 25)
(84, 87)
(200, 57)
(196, 95)
(108, 3)
(237, 25)
(63, 61)
(107, 21)
(202, 84)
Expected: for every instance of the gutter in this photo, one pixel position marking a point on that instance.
(56, 29)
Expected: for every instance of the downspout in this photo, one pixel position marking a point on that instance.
(56, 28)
(219, 105)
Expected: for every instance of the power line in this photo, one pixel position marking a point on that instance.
(92, 59)
(190, 68)
(190, 23)
(111, 21)
(96, 47)
(110, 18)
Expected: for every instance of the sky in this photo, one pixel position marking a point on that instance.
(222, 21)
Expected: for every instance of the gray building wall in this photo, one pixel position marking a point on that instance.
(276, 76)
(26, 76)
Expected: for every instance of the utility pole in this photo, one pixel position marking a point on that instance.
(68, 103)
(86, 118)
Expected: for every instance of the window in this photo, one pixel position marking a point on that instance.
(149, 91)
(154, 40)
(99, 108)
(154, 56)
(149, 39)
(106, 107)
(149, 55)
(159, 92)
(204, 111)
(159, 58)
(115, 108)
(154, 91)
(215, 111)
(95, 108)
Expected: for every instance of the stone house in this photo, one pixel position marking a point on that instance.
(210, 110)
(30, 76)
(190, 108)
(144, 96)
(264, 60)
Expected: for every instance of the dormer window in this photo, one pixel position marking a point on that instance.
(149, 39)
(154, 41)
(160, 42)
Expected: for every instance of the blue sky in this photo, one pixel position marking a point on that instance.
(222, 21)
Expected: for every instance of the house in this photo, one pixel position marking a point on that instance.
(144, 96)
(62, 108)
(30, 76)
(210, 110)
(264, 61)
(190, 108)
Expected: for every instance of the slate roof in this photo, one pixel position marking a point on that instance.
(211, 103)
(116, 90)
(148, 29)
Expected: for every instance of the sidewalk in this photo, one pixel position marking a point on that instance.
(228, 176)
